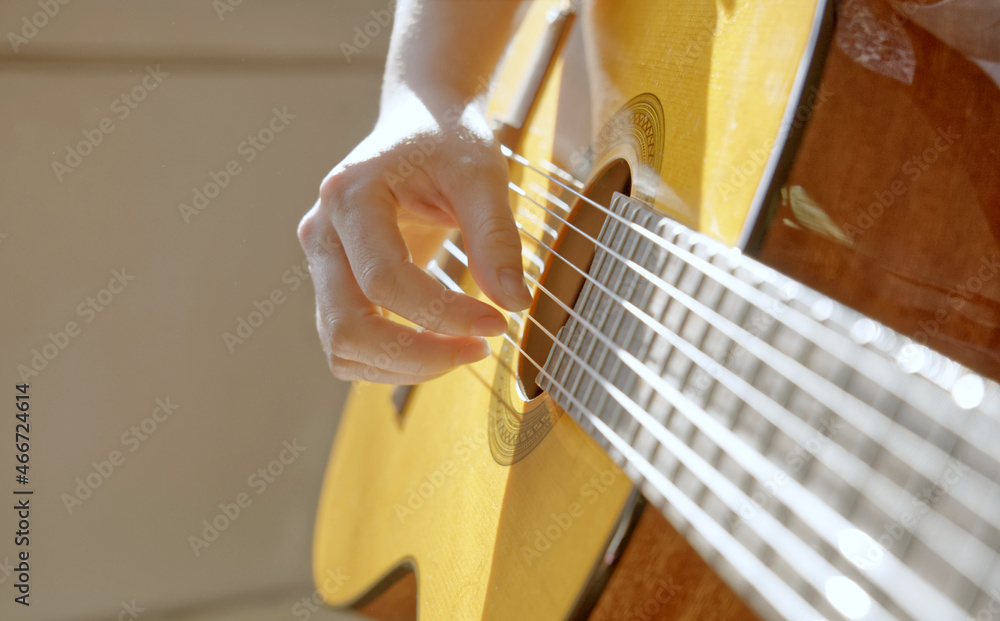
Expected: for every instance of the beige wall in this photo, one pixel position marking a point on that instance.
(161, 336)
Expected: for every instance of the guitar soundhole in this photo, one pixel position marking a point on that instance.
(559, 277)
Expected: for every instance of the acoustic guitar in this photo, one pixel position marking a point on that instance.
(758, 376)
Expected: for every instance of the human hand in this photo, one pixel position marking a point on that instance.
(381, 213)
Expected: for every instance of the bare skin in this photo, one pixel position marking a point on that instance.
(429, 165)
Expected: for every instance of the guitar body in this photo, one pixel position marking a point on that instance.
(472, 496)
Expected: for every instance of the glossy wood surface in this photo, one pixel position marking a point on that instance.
(893, 204)
(660, 578)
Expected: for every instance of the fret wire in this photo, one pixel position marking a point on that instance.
(669, 357)
(602, 264)
(629, 246)
(685, 380)
(765, 406)
(742, 317)
(780, 394)
(835, 343)
(608, 267)
(856, 412)
(633, 331)
(663, 365)
(855, 492)
(802, 357)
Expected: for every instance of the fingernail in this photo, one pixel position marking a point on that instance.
(512, 282)
(489, 325)
(473, 353)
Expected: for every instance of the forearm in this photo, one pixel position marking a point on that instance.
(443, 52)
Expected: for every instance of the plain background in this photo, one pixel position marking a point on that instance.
(163, 335)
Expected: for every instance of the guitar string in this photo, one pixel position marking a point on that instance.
(890, 435)
(834, 343)
(837, 459)
(978, 492)
(777, 592)
(819, 334)
(933, 403)
(937, 532)
(896, 579)
(945, 531)
(943, 414)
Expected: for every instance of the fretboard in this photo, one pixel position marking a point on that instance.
(826, 466)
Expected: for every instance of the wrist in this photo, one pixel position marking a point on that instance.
(441, 111)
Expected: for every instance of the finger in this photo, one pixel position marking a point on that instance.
(338, 299)
(365, 220)
(387, 345)
(479, 196)
(352, 330)
(349, 370)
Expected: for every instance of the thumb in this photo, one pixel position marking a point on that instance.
(479, 197)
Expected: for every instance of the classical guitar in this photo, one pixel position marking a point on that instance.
(758, 376)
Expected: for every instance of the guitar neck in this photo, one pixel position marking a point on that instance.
(826, 466)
